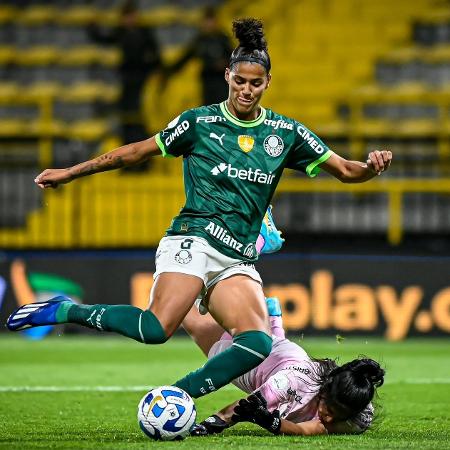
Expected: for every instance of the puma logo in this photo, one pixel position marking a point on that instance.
(219, 138)
(90, 319)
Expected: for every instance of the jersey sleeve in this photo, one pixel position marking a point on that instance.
(275, 390)
(308, 152)
(178, 138)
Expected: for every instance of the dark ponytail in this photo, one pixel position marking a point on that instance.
(351, 387)
(252, 43)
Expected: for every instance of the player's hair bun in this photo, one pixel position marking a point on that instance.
(366, 368)
(372, 371)
(352, 386)
(252, 43)
(250, 33)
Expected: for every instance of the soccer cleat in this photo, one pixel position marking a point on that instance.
(35, 314)
(272, 237)
(273, 306)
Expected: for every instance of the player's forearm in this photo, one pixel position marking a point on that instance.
(356, 172)
(227, 412)
(309, 428)
(127, 155)
(346, 171)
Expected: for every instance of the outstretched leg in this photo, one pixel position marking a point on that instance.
(238, 305)
(172, 296)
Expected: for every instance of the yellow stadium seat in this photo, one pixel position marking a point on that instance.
(414, 91)
(42, 89)
(87, 130)
(9, 91)
(49, 128)
(7, 13)
(89, 91)
(37, 14)
(12, 127)
(110, 57)
(403, 55)
(80, 15)
(416, 128)
(335, 128)
(7, 54)
(89, 54)
(372, 128)
(437, 14)
(163, 15)
(78, 56)
(437, 54)
(37, 55)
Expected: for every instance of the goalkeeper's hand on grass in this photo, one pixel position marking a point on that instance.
(212, 425)
(254, 409)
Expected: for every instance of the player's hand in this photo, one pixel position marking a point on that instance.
(211, 425)
(52, 178)
(198, 430)
(379, 161)
(254, 409)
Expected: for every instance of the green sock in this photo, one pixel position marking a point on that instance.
(132, 322)
(249, 349)
(62, 311)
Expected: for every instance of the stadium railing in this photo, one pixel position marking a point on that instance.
(106, 211)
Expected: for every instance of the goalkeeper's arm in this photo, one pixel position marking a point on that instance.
(216, 423)
(254, 409)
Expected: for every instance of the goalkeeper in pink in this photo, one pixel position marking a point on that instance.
(290, 392)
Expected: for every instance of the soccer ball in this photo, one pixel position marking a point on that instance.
(166, 413)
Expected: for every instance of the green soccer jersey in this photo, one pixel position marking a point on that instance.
(231, 169)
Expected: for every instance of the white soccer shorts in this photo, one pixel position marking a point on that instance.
(193, 255)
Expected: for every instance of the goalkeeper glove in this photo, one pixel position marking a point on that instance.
(212, 425)
(254, 409)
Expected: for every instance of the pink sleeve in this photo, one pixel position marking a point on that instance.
(276, 326)
(275, 390)
(226, 337)
(272, 397)
(291, 394)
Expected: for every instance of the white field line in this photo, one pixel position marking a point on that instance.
(85, 388)
(416, 381)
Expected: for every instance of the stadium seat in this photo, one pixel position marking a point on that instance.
(359, 73)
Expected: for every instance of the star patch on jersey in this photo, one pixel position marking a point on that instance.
(246, 142)
(273, 145)
(279, 381)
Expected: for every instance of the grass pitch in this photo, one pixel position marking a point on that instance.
(82, 393)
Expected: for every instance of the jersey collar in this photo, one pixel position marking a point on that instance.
(243, 123)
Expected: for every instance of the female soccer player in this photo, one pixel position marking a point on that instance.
(290, 392)
(233, 154)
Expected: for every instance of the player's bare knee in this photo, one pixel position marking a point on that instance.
(168, 324)
(170, 317)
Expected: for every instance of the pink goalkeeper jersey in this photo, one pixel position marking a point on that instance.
(285, 379)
